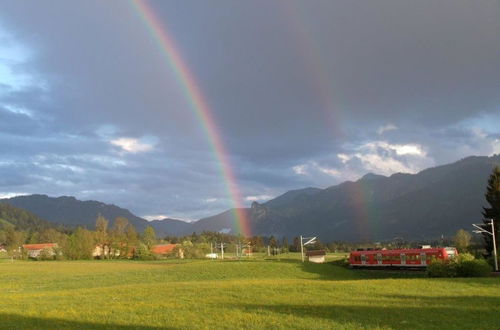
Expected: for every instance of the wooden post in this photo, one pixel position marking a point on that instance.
(301, 248)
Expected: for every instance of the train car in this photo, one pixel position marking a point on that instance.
(405, 258)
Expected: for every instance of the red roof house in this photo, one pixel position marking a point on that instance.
(34, 250)
(163, 248)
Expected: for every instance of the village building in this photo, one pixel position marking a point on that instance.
(34, 250)
(101, 251)
(105, 251)
(166, 249)
(316, 256)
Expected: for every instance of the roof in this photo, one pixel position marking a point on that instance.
(427, 250)
(315, 253)
(39, 246)
(163, 248)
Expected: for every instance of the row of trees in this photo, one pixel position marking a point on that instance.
(121, 238)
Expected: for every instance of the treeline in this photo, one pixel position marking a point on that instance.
(121, 240)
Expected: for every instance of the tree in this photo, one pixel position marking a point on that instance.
(273, 242)
(118, 237)
(101, 235)
(149, 237)
(462, 240)
(284, 245)
(296, 244)
(493, 212)
(130, 241)
(80, 244)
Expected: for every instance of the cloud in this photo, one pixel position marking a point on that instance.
(11, 194)
(258, 198)
(131, 145)
(300, 169)
(62, 106)
(389, 127)
(151, 217)
(400, 149)
(386, 158)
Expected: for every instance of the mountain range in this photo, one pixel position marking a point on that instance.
(434, 202)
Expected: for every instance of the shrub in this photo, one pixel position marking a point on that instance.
(46, 254)
(465, 265)
(441, 268)
(143, 253)
(462, 257)
(473, 268)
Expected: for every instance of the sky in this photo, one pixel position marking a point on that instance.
(301, 93)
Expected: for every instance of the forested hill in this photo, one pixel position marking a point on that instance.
(19, 219)
(72, 212)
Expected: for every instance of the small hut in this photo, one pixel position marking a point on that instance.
(316, 256)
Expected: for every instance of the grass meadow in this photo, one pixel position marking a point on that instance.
(229, 294)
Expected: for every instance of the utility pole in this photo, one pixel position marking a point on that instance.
(492, 233)
(311, 240)
(301, 248)
(222, 250)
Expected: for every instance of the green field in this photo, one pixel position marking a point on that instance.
(237, 294)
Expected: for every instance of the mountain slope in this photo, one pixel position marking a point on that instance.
(433, 202)
(20, 219)
(73, 212)
(171, 227)
(70, 211)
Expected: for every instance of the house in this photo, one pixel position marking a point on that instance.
(34, 250)
(104, 251)
(166, 249)
(316, 256)
(101, 251)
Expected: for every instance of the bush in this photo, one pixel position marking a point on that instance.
(143, 253)
(46, 254)
(441, 268)
(473, 268)
(465, 265)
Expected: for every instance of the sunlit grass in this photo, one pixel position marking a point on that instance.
(236, 294)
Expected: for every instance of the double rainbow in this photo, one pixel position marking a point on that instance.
(165, 42)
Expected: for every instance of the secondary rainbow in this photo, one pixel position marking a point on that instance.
(198, 104)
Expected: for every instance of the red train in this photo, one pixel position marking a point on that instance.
(400, 258)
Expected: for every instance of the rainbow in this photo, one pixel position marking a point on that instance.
(198, 104)
(310, 50)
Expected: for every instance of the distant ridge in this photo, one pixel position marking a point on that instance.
(436, 201)
(72, 212)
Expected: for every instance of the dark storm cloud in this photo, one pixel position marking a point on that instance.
(303, 93)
